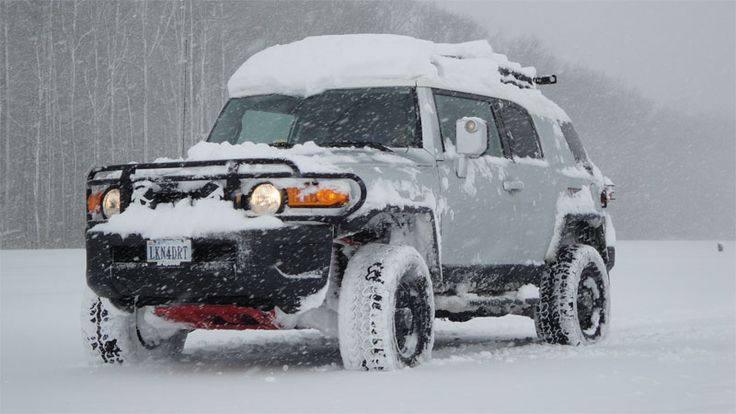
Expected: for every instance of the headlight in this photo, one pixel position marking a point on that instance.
(111, 202)
(265, 199)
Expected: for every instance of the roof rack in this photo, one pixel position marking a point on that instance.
(517, 78)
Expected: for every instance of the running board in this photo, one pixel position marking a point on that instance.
(466, 306)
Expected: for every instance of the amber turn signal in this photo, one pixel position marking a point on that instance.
(311, 197)
(94, 202)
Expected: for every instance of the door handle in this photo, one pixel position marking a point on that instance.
(514, 185)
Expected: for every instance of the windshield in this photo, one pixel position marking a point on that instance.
(382, 117)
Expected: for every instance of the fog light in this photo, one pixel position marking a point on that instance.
(265, 199)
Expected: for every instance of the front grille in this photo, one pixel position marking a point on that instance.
(202, 251)
(128, 254)
(213, 251)
(170, 192)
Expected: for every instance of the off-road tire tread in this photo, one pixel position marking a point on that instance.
(117, 341)
(555, 306)
(367, 307)
(368, 302)
(100, 342)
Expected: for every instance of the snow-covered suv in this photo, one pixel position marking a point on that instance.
(362, 185)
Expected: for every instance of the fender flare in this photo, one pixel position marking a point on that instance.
(586, 228)
(408, 225)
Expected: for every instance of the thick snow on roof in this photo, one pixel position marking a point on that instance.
(315, 64)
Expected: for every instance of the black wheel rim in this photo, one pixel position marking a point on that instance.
(591, 302)
(412, 319)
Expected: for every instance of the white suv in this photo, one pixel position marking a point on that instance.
(362, 185)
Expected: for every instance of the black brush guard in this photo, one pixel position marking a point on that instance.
(232, 178)
(256, 268)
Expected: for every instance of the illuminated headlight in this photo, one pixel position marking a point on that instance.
(111, 202)
(265, 199)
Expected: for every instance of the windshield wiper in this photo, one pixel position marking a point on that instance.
(282, 144)
(339, 144)
(358, 144)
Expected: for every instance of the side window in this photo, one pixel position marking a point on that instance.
(451, 108)
(522, 136)
(573, 141)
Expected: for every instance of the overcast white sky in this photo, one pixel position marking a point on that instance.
(679, 53)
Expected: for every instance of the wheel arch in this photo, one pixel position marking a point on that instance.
(414, 226)
(586, 228)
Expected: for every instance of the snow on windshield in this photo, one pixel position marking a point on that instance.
(379, 116)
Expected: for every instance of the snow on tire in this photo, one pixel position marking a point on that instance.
(386, 309)
(574, 298)
(112, 336)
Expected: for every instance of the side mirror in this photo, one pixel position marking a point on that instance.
(471, 136)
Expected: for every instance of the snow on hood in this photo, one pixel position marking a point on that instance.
(200, 217)
(309, 157)
(315, 64)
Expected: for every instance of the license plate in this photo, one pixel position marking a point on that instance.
(169, 252)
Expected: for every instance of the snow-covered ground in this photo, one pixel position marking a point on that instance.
(671, 348)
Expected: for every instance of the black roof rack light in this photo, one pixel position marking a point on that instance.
(523, 81)
(512, 77)
(546, 80)
(517, 78)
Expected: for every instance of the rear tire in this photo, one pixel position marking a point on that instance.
(574, 298)
(112, 335)
(386, 309)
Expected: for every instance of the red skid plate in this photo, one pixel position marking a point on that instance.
(200, 316)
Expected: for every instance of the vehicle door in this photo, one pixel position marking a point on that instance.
(530, 183)
(475, 231)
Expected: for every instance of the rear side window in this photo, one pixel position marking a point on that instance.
(573, 141)
(450, 108)
(522, 136)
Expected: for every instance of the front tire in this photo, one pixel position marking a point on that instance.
(114, 336)
(574, 298)
(386, 309)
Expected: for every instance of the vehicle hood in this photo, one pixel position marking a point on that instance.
(400, 178)
(308, 157)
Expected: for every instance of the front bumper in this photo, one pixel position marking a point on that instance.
(257, 268)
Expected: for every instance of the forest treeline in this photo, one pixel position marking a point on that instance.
(88, 83)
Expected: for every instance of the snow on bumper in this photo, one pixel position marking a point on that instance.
(265, 268)
(185, 218)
